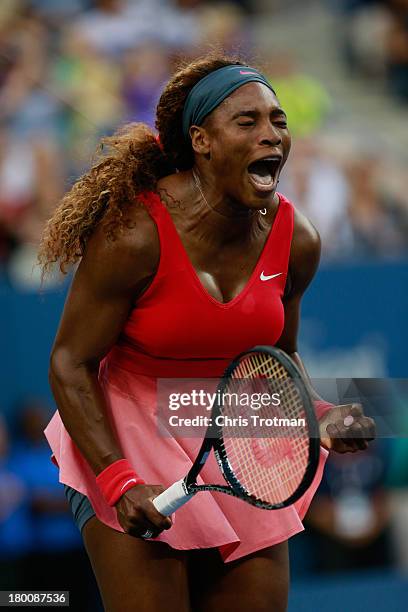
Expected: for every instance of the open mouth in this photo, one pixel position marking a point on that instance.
(263, 173)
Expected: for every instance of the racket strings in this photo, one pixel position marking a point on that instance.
(268, 460)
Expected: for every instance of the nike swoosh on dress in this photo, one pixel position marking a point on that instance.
(263, 276)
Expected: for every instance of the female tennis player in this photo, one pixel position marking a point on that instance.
(188, 256)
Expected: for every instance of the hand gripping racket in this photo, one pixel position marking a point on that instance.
(268, 466)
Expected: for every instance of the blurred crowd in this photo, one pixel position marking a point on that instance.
(40, 547)
(74, 70)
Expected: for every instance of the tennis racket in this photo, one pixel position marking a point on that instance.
(267, 466)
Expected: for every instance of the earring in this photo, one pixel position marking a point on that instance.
(263, 211)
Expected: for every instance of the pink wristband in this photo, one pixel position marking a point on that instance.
(116, 479)
(321, 407)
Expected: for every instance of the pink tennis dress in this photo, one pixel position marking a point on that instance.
(177, 330)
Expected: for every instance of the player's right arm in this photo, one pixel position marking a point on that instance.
(110, 276)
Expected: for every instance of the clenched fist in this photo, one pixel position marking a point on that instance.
(345, 429)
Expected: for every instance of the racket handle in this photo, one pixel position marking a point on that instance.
(172, 498)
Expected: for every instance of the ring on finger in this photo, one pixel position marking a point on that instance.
(147, 534)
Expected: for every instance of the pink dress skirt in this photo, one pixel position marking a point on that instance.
(208, 520)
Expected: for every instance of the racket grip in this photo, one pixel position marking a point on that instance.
(172, 498)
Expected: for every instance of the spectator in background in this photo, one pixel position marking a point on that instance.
(25, 100)
(306, 101)
(113, 27)
(17, 178)
(146, 69)
(378, 225)
(350, 518)
(107, 27)
(225, 26)
(15, 526)
(397, 50)
(56, 559)
(89, 82)
(54, 13)
(363, 29)
(30, 184)
(374, 41)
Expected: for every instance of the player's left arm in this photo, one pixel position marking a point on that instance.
(336, 431)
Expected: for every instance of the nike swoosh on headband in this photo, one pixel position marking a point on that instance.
(263, 276)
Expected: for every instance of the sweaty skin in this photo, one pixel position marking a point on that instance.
(223, 238)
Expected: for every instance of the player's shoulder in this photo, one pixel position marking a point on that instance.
(305, 235)
(305, 250)
(130, 249)
(135, 233)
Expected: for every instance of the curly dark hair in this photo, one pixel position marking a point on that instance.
(130, 162)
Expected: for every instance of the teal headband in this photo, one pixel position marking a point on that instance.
(211, 90)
